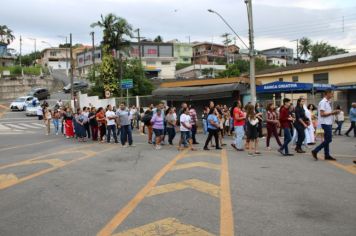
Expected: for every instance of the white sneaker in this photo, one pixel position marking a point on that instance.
(125, 146)
(56, 133)
(158, 147)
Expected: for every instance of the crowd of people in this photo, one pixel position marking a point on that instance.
(301, 124)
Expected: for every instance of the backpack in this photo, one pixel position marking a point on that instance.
(146, 119)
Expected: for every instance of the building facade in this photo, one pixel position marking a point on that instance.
(280, 52)
(55, 58)
(214, 54)
(340, 72)
(183, 52)
(276, 61)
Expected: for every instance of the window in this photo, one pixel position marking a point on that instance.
(52, 53)
(185, 59)
(166, 62)
(322, 78)
(295, 78)
(280, 79)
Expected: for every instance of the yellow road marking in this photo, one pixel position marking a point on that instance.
(226, 213)
(195, 184)
(168, 226)
(26, 145)
(56, 164)
(196, 164)
(349, 168)
(204, 154)
(4, 107)
(126, 210)
(7, 179)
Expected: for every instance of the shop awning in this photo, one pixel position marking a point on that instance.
(292, 87)
(346, 87)
(199, 92)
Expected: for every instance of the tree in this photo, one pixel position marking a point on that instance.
(323, 49)
(305, 45)
(231, 71)
(6, 35)
(28, 59)
(133, 70)
(158, 39)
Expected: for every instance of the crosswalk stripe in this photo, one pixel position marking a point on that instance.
(40, 125)
(3, 127)
(15, 126)
(30, 126)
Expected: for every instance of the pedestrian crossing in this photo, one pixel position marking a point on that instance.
(20, 127)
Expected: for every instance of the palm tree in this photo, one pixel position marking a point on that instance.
(305, 45)
(114, 30)
(323, 49)
(6, 35)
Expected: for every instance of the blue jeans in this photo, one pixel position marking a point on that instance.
(287, 139)
(205, 127)
(126, 134)
(339, 127)
(239, 134)
(111, 128)
(327, 140)
(56, 125)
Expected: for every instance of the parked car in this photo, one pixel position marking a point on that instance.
(77, 85)
(31, 110)
(21, 103)
(156, 78)
(40, 93)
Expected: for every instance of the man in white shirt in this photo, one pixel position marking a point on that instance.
(110, 124)
(185, 129)
(325, 119)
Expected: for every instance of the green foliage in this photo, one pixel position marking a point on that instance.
(134, 70)
(180, 66)
(17, 70)
(243, 66)
(305, 45)
(158, 39)
(28, 59)
(231, 71)
(323, 49)
(6, 34)
(261, 65)
(207, 71)
(108, 73)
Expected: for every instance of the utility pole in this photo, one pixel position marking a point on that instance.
(93, 48)
(252, 52)
(71, 70)
(20, 50)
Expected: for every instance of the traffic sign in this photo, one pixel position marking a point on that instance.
(127, 84)
(107, 94)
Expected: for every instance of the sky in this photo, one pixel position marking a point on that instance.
(276, 22)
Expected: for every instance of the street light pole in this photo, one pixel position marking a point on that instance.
(252, 52)
(71, 71)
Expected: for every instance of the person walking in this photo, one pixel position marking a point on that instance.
(185, 130)
(68, 123)
(285, 119)
(213, 128)
(339, 119)
(56, 116)
(352, 115)
(272, 125)
(110, 124)
(325, 118)
(157, 122)
(146, 119)
(85, 112)
(239, 123)
(204, 120)
(124, 121)
(80, 120)
(171, 119)
(300, 124)
(93, 124)
(252, 129)
(194, 121)
(47, 116)
(100, 118)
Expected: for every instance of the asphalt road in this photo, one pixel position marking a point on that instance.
(53, 186)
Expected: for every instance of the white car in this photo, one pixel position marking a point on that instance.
(31, 110)
(21, 103)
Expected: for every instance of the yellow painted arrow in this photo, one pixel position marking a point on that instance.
(168, 226)
(196, 164)
(195, 184)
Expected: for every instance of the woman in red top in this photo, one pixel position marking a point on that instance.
(272, 124)
(100, 118)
